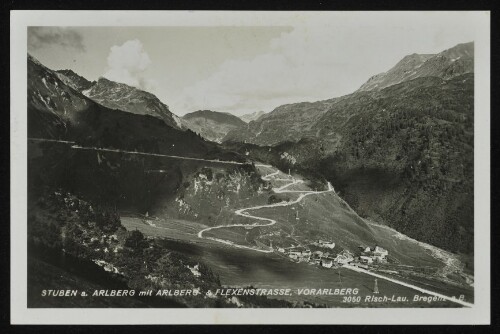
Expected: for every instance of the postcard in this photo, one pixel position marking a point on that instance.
(250, 167)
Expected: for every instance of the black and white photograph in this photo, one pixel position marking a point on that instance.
(214, 161)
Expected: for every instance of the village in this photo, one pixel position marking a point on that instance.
(323, 255)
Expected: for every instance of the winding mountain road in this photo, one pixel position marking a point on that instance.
(268, 221)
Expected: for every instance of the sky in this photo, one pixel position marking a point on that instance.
(243, 69)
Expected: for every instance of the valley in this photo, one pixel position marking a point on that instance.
(408, 260)
(401, 274)
(370, 191)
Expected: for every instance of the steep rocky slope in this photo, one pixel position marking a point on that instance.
(120, 96)
(74, 80)
(447, 64)
(212, 125)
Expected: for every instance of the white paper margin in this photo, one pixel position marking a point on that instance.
(20, 314)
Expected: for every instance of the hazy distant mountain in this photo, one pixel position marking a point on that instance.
(288, 122)
(402, 154)
(447, 64)
(212, 125)
(252, 116)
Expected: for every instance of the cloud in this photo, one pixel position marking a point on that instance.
(300, 66)
(42, 37)
(311, 62)
(127, 64)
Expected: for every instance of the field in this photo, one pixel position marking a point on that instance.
(243, 268)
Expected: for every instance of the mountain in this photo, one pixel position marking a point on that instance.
(288, 122)
(141, 215)
(252, 116)
(212, 125)
(120, 96)
(447, 64)
(401, 155)
(79, 194)
(57, 111)
(51, 103)
(74, 80)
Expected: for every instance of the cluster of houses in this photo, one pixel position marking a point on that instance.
(324, 259)
(376, 254)
(324, 244)
(368, 255)
(299, 254)
(327, 261)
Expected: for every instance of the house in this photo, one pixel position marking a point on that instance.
(294, 253)
(344, 257)
(318, 254)
(366, 259)
(365, 249)
(326, 244)
(380, 252)
(306, 253)
(281, 249)
(327, 263)
(360, 265)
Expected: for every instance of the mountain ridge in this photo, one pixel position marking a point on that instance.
(121, 96)
(212, 125)
(446, 64)
(416, 133)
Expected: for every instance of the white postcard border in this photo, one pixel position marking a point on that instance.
(20, 314)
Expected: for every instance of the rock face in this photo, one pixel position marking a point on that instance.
(48, 93)
(212, 125)
(51, 103)
(120, 96)
(247, 118)
(400, 148)
(446, 65)
(212, 194)
(74, 80)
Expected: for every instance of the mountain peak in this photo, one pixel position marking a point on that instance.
(34, 60)
(446, 65)
(459, 50)
(116, 95)
(73, 80)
